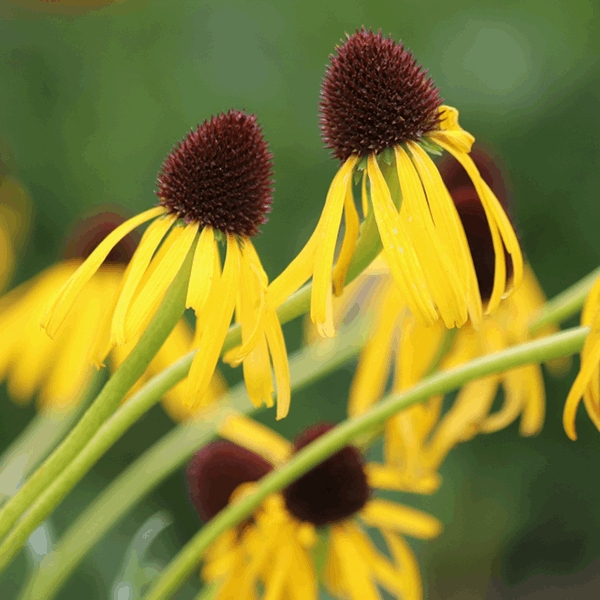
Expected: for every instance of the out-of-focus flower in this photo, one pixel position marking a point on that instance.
(381, 115)
(61, 369)
(274, 549)
(215, 186)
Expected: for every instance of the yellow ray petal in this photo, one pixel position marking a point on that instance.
(256, 437)
(152, 237)
(215, 329)
(60, 306)
(386, 477)
(389, 515)
(155, 288)
(321, 312)
(202, 274)
(407, 562)
(349, 243)
(399, 249)
(280, 362)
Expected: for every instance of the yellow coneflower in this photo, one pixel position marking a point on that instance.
(587, 382)
(61, 369)
(215, 186)
(15, 214)
(381, 115)
(271, 550)
(416, 440)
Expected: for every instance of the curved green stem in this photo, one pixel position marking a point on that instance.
(555, 346)
(169, 313)
(566, 304)
(166, 456)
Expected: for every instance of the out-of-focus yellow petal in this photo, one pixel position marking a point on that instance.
(404, 557)
(256, 437)
(389, 515)
(280, 362)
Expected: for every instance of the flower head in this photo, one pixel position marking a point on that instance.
(381, 116)
(216, 185)
(337, 495)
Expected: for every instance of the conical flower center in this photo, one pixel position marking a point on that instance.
(92, 230)
(375, 96)
(217, 471)
(332, 491)
(220, 175)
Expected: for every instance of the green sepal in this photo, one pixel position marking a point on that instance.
(430, 147)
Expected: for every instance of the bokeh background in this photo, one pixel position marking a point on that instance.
(93, 98)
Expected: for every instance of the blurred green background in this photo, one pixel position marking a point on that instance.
(94, 98)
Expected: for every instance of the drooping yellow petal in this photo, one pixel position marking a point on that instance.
(137, 267)
(349, 243)
(215, 329)
(386, 477)
(389, 515)
(60, 306)
(152, 292)
(461, 279)
(589, 365)
(280, 362)
(321, 311)
(202, 274)
(399, 249)
(373, 368)
(407, 562)
(256, 437)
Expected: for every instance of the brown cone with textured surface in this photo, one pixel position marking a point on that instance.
(375, 96)
(90, 231)
(217, 470)
(220, 175)
(333, 490)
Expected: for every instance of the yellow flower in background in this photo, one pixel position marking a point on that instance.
(215, 186)
(60, 370)
(380, 115)
(587, 382)
(15, 216)
(334, 501)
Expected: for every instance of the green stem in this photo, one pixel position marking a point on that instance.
(40, 436)
(167, 455)
(169, 313)
(560, 344)
(566, 304)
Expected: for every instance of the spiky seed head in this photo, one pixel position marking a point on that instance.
(375, 96)
(333, 490)
(220, 175)
(217, 470)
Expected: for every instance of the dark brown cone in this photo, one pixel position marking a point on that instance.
(471, 213)
(220, 175)
(375, 96)
(92, 230)
(217, 470)
(333, 490)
